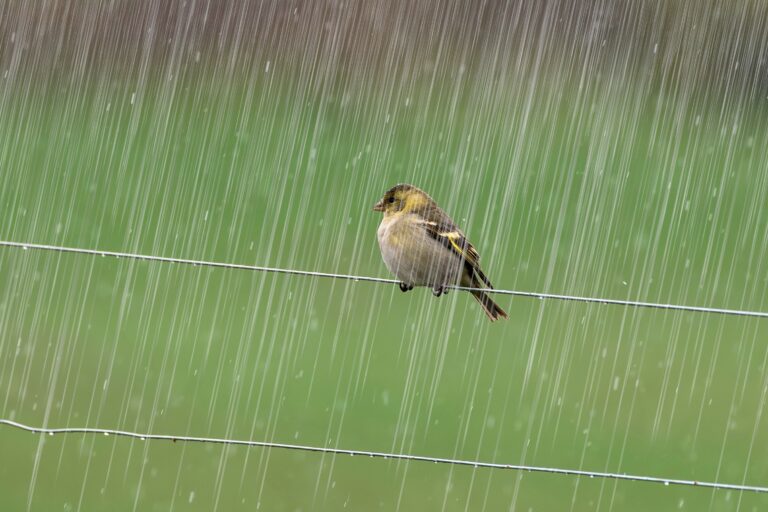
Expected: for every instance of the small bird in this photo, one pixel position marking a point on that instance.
(422, 246)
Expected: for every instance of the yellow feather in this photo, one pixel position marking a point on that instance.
(414, 200)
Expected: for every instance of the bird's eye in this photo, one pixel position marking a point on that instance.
(391, 199)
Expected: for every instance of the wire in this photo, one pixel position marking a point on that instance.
(383, 455)
(310, 273)
(364, 453)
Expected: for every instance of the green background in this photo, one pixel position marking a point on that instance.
(604, 149)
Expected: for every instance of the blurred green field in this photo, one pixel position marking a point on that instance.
(622, 189)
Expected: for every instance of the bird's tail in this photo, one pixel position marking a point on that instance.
(491, 309)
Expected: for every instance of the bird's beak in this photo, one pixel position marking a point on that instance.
(379, 207)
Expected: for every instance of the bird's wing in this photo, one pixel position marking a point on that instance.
(440, 227)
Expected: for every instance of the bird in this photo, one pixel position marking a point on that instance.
(422, 246)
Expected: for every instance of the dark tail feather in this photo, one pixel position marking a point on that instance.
(476, 273)
(491, 309)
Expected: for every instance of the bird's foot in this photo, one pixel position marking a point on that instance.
(406, 287)
(439, 290)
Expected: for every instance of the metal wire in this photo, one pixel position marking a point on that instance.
(364, 453)
(311, 273)
(384, 455)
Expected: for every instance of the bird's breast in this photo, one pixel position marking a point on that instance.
(413, 256)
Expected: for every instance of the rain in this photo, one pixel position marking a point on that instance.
(606, 149)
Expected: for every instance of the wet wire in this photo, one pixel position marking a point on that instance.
(311, 273)
(365, 453)
(384, 455)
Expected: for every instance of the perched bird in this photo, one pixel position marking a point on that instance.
(422, 246)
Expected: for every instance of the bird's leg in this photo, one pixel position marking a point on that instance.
(406, 287)
(438, 291)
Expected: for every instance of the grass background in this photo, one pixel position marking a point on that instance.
(586, 149)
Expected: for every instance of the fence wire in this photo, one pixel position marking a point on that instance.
(385, 455)
(312, 273)
(373, 454)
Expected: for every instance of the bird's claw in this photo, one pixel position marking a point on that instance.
(406, 287)
(439, 290)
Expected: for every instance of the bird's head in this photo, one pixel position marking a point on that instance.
(402, 198)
